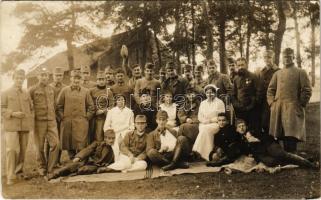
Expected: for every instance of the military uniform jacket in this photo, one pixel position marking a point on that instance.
(264, 79)
(288, 93)
(97, 153)
(103, 99)
(154, 141)
(178, 86)
(75, 107)
(43, 98)
(123, 89)
(57, 88)
(134, 144)
(14, 100)
(244, 94)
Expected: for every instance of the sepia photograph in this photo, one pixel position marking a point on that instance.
(160, 99)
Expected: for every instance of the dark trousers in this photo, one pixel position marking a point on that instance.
(159, 159)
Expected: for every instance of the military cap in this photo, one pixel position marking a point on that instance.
(109, 132)
(140, 118)
(19, 72)
(75, 73)
(170, 65)
(100, 74)
(288, 51)
(199, 68)
(58, 70)
(162, 114)
(211, 86)
(239, 121)
(188, 67)
(85, 68)
(43, 71)
(109, 70)
(149, 66)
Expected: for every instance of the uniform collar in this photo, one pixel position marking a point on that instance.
(161, 132)
(75, 87)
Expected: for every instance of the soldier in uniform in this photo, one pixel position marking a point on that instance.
(90, 159)
(121, 88)
(85, 75)
(103, 99)
(264, 78)
(75, 107)
(288, 94)
(109, 72)
(136, 74)
(188, 72)
(198, 82)
(57, 84)
(16, 110)
(244, 94)
(148, 82)
(221, 81)
(175, 84)
(43, 97)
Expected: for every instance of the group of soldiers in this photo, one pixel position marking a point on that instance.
(115, 124)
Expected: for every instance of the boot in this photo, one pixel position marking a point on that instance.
(220, 162)
(298, 160)
(106, 170)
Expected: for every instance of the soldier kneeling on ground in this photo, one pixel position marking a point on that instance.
(90, 159)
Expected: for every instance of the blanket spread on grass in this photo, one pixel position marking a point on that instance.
(244, 164)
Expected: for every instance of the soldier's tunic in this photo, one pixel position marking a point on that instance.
(95, 155)
(221, 81)
(132, 82)
(265, 77)
(152, 85)
(43, 97)
(57, 88)
(103, 100)
(134, 145)
(75, 106)
(288, 93)
(244, 98)
(16, 130)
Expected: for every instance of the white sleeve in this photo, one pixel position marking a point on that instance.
(107, 124)
(201, 117)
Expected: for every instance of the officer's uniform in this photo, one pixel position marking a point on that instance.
(244, 98)
(103, 99)
(75, 106)
(264, 79)
(16, 129)
(43, 97)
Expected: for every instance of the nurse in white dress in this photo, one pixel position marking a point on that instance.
(207, 116)
(120, 119)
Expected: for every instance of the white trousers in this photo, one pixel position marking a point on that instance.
(123, 163)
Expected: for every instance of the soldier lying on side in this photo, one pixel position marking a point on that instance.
(90, 159)
(265, 149)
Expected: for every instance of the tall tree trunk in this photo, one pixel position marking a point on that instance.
(249, 31)
(222, 50)
(297, 35)
(159, 55)
(279, 32)
(209, 34)
(193, 33)
(240, 36)
(176, 37)
(70, 38)
(186, 36)
(312, 49)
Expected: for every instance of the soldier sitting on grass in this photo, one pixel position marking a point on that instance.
(89, 160)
